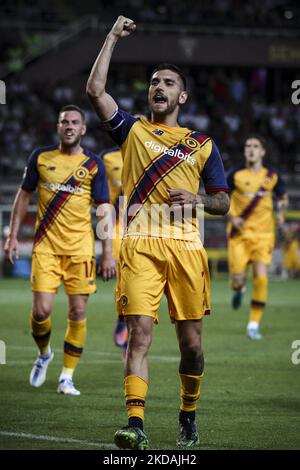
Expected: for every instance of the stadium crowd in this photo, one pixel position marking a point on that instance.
(257, 13)
(224, 103)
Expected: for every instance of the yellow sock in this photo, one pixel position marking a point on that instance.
(135, 391)
(190, 391)
(41, 331)
(73, 345)
(259, 297)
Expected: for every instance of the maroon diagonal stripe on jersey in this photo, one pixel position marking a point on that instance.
(58, 202)
(156, 173)
(252, 205)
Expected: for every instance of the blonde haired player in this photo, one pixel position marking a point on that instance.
(69, 179)
(160, 159)
(251, 233)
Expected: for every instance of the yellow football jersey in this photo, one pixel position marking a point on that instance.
(157, 158)
(112, 159)
(67, 186)
(251, 199)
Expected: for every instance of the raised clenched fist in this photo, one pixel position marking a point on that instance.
(123, 27)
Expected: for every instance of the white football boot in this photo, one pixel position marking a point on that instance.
(66, 387)
(39, 370)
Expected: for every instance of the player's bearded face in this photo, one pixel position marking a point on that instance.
(70, 128)
(254, 151)
(165, 92)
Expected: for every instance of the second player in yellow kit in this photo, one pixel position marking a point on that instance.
(69, 180)
(64, 240)
(251, 230)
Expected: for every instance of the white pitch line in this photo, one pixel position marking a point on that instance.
(155, 358)
(95, 361)
(32, 348)
(68, 440)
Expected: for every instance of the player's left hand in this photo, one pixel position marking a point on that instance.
(107, 266)
(11, 249)
(181, 197)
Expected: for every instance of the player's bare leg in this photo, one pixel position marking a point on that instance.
(238, 284)
(258, 302)
(191, 373)
(74, 342)
(120, 337)
(132, 436)
(41, 330)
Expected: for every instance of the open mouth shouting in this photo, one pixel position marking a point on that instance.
(159, 98)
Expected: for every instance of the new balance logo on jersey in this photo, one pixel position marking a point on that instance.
(158, 132)
(67, 188)
(173, 153)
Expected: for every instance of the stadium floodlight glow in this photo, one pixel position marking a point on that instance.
(2, 352)
(2, 92)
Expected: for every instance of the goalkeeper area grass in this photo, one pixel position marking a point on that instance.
(250, 393)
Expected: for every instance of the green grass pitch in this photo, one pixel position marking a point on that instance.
(250, 395)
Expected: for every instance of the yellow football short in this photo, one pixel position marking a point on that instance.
(242, 251)
(78, 273)
(149, 268)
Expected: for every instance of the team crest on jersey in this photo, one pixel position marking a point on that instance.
(267, 181)
(191, 143)
(81, 173)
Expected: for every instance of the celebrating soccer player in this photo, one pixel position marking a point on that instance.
(251, 227)
(163, 164)
(69, 180)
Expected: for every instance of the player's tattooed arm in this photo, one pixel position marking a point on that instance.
(215, 203)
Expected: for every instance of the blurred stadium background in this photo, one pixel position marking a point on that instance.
(241, 59)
